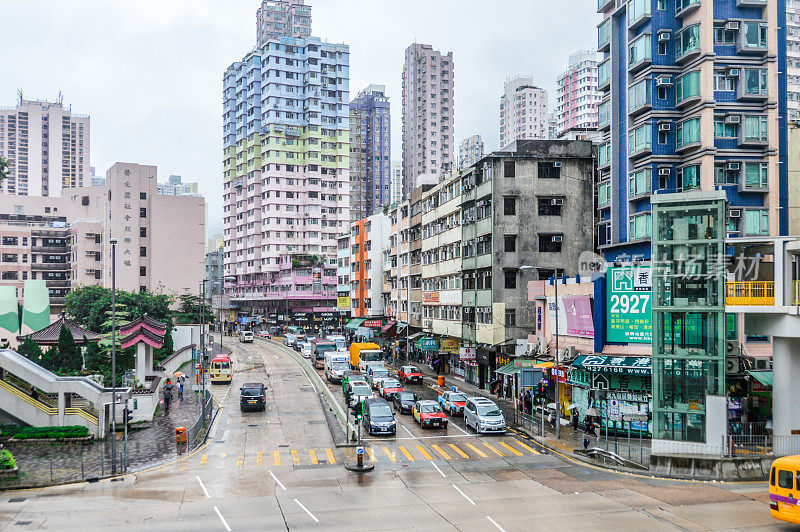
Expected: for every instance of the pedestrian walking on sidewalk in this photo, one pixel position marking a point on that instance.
(167, 396)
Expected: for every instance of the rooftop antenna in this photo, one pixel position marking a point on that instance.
(19, 95)
(60, 98)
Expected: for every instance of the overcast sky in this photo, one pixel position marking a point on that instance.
(149, 72)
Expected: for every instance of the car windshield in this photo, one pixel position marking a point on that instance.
(378, 373)
(391, 383)
(458, 397)
(362, 389)
(340, 365)
(411, 369)
(489, 411)
(430, 409)
(341, 345)
(407, 396)
(251, 392)
(324, 348)
(380, 410)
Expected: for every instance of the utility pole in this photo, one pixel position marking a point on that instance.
(558, 386)
(202, 353)
(113, 242)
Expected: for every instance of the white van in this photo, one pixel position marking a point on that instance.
(246, 337)
(374, 372)
(336, 363)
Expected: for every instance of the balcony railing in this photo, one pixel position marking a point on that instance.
(50, 249)
(51, 266)
(795, 292)
(750, 293)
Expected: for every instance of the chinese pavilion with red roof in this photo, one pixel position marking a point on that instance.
(146, 334)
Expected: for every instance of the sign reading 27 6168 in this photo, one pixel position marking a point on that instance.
(628, 305)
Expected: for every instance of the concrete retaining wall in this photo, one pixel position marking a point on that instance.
(711, 467)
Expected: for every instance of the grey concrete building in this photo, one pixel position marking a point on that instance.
(526, 214)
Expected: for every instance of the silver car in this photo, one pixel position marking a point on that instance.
(483, 415)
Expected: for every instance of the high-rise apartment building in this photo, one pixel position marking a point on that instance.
(523, 111)
(286, 184)
(370, 140)
(396, 185)
(282, 18)
(693, 98)
(469, 151)
(428, 142)
(793, 58)
(576, 95)
(176, 187)
(47, 146)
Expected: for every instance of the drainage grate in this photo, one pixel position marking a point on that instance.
(22, 523)
(18, 499)
(253, 425)
(285, 445)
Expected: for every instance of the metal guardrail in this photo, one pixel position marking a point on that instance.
(760, 445)
(750, 293)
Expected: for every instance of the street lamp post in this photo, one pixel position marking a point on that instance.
(202, 352)
(113, 243)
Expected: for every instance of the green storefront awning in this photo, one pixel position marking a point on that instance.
(619, 365)
(354, 324)
(764, 377)
(509, 369)
(427, 344)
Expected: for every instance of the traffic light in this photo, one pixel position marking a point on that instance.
(359, 410)
(127, 415)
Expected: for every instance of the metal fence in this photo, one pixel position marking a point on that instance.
(735, 445)
(196, 434)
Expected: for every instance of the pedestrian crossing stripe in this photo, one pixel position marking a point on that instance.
(386, 453)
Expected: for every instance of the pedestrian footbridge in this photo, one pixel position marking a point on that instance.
(59, 400)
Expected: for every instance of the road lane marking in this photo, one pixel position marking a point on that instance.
(205, 491)
(312, 516)
(408, 455)
(439, 470)
(204, 459)
(371, 454)
(240, 460)
(424, 452)
(225, 435)
(528, 447)
(277, 458)
(259, 457)
(507, 446)
(331, 459)
(389, 454)
(493, 449)
(224, 522)
(295, 457)
(459, 451)
(411, 433)
(500, 528)
(441, 451)
(464, 494)
(313, 456)
(480, 453)
(459, 428)
(278, 482)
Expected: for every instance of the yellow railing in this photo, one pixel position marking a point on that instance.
(795, 292)
(750, 293)
(45, 408)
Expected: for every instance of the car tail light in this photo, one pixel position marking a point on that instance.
(773, 505)
(264, 397)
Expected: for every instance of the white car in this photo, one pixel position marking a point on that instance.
(375, 382)
(307, 349)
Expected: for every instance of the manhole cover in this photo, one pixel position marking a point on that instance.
(18, 499)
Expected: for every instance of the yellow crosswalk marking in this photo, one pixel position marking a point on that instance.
(259, 457)
(204, 459)
(424, 452)
(507, 446)
(406, 453)
(459, 451)
(371, 454)
(493, 449)
(528, 447)
(441, 451)
(389, 454)
(480, 453)
(240, 460)
(331, 459)
(313, 455)
(277, 458)
(295, 456)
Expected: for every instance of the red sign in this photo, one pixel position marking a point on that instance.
(430, 297)
(562, 373)
(372, 323)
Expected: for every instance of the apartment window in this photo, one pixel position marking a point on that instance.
(550, 243)
(689, 177)
(604, 73)
(10, 276)
(640, 139)
(723, 36)
(142, 251)
(604, 33)
(548, 170)
(510, 279)
(604, 114)
(143, 232)
(142, 271)
(550, 206)
(640, 95)
(661, 5)
(637, 10)
(687, 40)
(754, 129)
(640, 182)
(756, 222)
(687, 86)
(604, 194)
(511, 318)
(724, 175)
(639, 226)
(510, 243)
(723, 82)
(84, 200)
(509, 206)
(680, 5)
(753, 35)
(142, 288)
(604, 155)
(509, 169)
(688, 132)
(755, 175)
(142, 212)
(755, 82)
(723, 130)
(639, 51)
(142, 195)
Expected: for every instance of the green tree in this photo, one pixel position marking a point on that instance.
(191, 308)
(70, 359)
(96, 358)
(90, 306)
(30, 350)
(4, 168)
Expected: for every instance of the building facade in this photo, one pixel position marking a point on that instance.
(282, 18)
(47, 146)
(370, 140)
(577, 96)
(693, 98)
(470, 150)
(286, 173)
(176, 187)
(793, 58)
(66, 240)
(396, 184)
(524, 111)
(368, 238)
(428, 142)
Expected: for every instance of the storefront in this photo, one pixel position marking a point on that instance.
(486, 360)
(466, 367)
(509, 374)
(614, 386)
